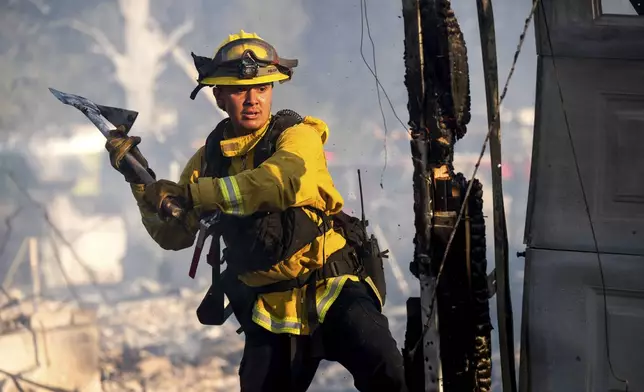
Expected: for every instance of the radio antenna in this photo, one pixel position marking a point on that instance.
(361, 200)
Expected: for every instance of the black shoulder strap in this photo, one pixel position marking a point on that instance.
(280, 122)
(216, 165)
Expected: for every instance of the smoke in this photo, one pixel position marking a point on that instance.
(331, 82)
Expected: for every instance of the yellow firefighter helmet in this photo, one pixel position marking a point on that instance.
(240, 60)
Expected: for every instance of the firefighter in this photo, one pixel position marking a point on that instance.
(310, 299)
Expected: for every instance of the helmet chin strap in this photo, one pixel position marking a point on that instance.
(194, 92)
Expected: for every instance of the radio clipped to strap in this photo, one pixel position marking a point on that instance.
(212, 310)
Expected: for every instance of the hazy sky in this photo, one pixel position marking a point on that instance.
(331, 83)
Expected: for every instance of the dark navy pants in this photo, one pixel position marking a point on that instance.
(354, 333)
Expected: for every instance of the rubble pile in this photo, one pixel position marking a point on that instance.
(153, 373)
(157, 344)
(16, 308)
(151, 340)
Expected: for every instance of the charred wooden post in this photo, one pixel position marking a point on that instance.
(437, 80)
(422, 341)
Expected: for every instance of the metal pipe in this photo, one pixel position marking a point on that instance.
(504, 301)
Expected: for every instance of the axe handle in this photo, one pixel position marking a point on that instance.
(169, 205)
(143, 174)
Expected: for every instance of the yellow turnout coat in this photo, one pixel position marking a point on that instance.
(295, 175)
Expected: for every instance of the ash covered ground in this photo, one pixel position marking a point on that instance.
(151, 340)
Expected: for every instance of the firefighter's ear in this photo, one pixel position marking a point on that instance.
(220, 102)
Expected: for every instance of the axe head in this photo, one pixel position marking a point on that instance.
(115, 116)
(118, 116)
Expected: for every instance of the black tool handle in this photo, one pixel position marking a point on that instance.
(169, 205)
(93, 113)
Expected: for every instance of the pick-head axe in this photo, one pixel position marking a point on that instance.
(116, 117)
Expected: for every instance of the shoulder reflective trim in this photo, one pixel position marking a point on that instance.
(330, 295)
(375, 289)
(232, 197)
(274, 325)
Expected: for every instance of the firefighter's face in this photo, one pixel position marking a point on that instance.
(249, 107)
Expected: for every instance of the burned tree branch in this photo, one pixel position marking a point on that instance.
(176, 35)
(103, 45)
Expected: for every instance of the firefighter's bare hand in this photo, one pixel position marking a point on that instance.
(118, 144)
(158, 191)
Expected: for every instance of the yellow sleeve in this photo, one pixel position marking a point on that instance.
(295, 175)
(170, 234)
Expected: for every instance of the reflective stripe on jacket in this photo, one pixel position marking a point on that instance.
(295, 175)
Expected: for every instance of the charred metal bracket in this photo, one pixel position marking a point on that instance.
(491, 284)
(491, 278)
